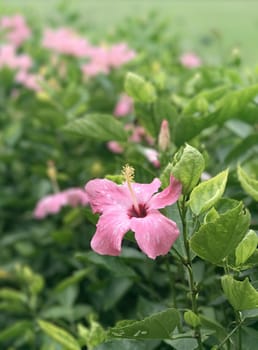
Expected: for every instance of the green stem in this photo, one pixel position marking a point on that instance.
(230, 335)
(239, 323)
(188, 265)
(171, 280)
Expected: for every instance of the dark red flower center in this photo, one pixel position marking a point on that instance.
(141, 213)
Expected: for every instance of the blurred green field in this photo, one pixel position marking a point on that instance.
(212, 27)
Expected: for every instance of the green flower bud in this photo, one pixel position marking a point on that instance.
(187, 167)
(192, 319)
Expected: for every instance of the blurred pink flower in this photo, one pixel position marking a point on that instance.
(115, 147)
(15, 28)
(98, 62)
(119, 54)
(133, 206)
(29, 80)
(23, 61)
(65, 41)
(103, 59)
(152, 155)
(9, 58)
(52, 204)
(139, 134)
(124, 106)
(93, 68)
(190, 60)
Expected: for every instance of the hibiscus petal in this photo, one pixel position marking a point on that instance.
(104, 194)
(168, 196)
(145, 191)
(111, 228)
(154, 233)
(50, 204)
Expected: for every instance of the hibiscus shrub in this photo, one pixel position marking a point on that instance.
(129, 190)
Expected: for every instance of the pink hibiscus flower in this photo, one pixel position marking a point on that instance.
(133, 206)
(53, 203)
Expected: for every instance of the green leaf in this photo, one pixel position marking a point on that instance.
(129, 344)
(75, 278)
(12, 295)
(102, 127)
(246, 247)
(92, 336)
(208, 323)
(183, 344)
(187, 167)
(211, 216)
(217, 239)
(249, 338)
(197, 115)
(242, 147)
(60, 335)
(251, 313)
(249, 184)
(240, 294)
(187, 127)
(157, 326)
(66, 312)
(235, 102)
(163, 109)
(209, 96)
(115, 291)
(207, 193)
(139, 89)
(114, 264)
(222, 107)
(15, 330)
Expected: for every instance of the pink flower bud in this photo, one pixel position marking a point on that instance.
(164, 136)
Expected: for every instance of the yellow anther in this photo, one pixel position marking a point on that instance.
(128, 173)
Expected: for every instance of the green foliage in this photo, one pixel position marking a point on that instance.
(187, 167)
(249, 184)
(213, 108)
(18, 329)
(207, 193)
(60, 335)
(246, 247)
(241, 294)
(192, 319)
(92, 336)
(55, 292)
(217, 239)
(139, 89)
(156, 326)
(98, 126)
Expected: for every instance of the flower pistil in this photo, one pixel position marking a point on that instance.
(128, 173)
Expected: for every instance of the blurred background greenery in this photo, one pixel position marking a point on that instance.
(213, 28)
